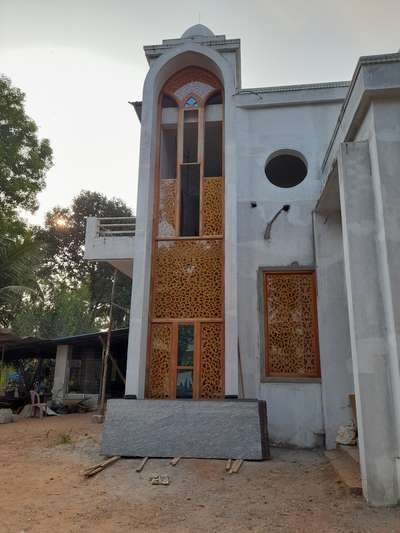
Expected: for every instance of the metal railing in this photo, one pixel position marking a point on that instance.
(116, 227)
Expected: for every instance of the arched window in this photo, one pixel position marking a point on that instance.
(186, 352)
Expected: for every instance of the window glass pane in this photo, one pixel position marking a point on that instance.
(190, 200)
(190, 137)
(184, 384)
(185, 344)
(168, 154)
(213, 149)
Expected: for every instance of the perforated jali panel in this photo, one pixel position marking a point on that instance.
(213, 206)
(211, 367)
(290, 325)
(160, 361)
(166, 221)
(188, 279)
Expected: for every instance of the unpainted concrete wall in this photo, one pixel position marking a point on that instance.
(334, 334)
(294, 409)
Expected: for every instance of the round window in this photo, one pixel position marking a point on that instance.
(286, 169)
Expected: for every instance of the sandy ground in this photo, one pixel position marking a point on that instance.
(43, 490)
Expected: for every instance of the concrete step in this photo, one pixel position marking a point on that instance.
(352, 451)
(347, 469)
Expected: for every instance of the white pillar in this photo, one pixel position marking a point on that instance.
(333, 325)
(61, 372)
(361, 225)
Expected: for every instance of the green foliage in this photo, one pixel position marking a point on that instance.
(24, 159)
(64, 236)
(19, 262)
(65, 311)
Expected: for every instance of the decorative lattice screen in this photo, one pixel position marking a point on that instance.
(160, 361)
(188, 279)
(291, 337)
(211, 364)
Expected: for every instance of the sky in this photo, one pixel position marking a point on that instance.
(81, 61)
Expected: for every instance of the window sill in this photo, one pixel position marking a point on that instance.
(289, 380)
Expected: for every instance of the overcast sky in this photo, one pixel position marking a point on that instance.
(80, 61)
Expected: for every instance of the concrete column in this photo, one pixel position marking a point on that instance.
(61, 372)
(361, 227)
(333, 324)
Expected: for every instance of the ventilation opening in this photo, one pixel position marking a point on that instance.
(190, 200)
(167, 101)
(286, 170)
(168, 151)
(190, 137)
(213, 149)
(215, 98)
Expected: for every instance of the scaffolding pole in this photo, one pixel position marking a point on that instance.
(106, 352)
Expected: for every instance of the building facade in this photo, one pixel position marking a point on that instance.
(266, 248)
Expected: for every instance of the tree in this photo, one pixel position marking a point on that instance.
(64, 236)
(19, 260)
(24, 159)
(66, 313)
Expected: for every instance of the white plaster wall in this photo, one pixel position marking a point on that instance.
(294, 409)
(294, 414)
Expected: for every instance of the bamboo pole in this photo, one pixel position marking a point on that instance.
(102, 402)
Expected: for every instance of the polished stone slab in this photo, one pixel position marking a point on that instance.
(219, 429)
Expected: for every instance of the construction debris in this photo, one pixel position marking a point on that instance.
(93, 470)
(141, 466)
(174, 461)
(159, 479)
(236, 466)
(228, 465)
(6, 416)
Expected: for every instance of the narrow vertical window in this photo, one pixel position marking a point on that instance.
(213, 149)
(185, 361)
(168, 152)
(190, 137)
(190, 200)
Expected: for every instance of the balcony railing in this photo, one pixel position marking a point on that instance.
(116, 227)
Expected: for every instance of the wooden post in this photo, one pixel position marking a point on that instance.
(106, 352)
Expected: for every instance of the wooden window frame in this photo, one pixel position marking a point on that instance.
(263, 323)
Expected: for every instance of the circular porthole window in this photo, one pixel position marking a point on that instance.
(286, 169)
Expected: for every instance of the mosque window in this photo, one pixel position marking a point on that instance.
(286, 169)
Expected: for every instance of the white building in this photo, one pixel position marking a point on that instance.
(268, 219)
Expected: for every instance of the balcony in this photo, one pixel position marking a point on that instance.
(111, 240)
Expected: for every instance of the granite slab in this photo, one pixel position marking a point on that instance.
(219, 429)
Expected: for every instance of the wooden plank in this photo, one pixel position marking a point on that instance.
(228, 465)
(174, 461)
(141, 466)
(95, 469)
(236, 466)
(347, 469)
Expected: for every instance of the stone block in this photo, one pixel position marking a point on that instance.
(186, 428)
(6, 416)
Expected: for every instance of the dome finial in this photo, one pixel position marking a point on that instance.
(198, 30)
